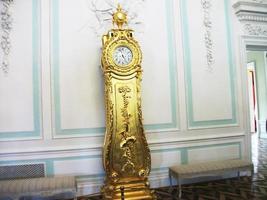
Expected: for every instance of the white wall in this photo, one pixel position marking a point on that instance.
(51, 105)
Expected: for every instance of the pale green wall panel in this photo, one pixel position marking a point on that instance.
(36, 132)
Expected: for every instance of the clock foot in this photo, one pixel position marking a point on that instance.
(128, 189)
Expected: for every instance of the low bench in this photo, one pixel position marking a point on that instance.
(39, 188)
(207, 168)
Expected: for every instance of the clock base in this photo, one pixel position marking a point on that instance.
(129, 189)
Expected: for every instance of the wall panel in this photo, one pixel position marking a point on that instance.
(86, 166)
(211, 96)
(214, 153)
(165, 158)
(20, 88)
(77, 77)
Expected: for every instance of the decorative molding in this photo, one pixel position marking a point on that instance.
(206, 6)
(50, 159)
(103, 10)
(247, 4)
(6, 25)
(96, 152)
(258, 1)
(255, 29)
(253, 16)
(251, 11)
(249, 17)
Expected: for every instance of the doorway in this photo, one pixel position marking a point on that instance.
(252, 93)
(257, 89)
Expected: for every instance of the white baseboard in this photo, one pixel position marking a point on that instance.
(89, 185)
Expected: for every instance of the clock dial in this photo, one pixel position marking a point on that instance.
(122, 55)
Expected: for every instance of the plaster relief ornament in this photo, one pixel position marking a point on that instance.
(102, 11)
(255, 30)
(207, 23)
(6, 26)
(258, 1)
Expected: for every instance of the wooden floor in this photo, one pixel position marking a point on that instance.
(244, 188)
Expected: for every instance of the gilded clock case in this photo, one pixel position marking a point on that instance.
(126, 155)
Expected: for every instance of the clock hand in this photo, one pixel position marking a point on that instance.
(122, 55)
(124, 58)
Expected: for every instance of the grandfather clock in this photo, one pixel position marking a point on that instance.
(126, 155)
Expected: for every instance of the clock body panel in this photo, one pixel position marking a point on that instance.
(126, 152)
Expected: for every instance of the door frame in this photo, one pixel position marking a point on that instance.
(254, 97)
(247, 43)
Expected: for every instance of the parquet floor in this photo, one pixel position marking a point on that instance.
(245, 188)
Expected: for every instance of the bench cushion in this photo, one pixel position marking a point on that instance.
(37, 184)
(210, 166)
(38, 188)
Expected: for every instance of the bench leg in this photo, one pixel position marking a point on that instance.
(238, 174)
(170, 178)
(252, 171)
(179, 188)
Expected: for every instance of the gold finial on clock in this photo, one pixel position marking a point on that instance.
(119, 17)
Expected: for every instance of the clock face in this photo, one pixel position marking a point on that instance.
(122, 56)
